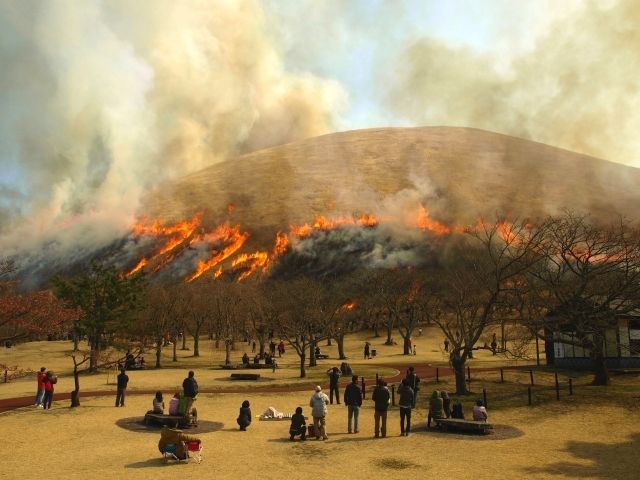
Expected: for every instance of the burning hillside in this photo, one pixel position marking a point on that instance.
(330, 204)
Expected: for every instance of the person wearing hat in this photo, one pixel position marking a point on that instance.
(318, 403)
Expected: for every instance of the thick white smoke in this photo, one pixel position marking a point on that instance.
(575, 88)
(102, 100)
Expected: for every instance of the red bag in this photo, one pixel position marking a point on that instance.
(312, 430)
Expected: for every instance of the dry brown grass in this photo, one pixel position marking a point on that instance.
(594, 434)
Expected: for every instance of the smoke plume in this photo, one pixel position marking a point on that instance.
(576, 88)
(101, 101)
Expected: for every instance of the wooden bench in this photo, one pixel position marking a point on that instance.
(322, 356)
(460, 425)
(245, 376)
(169, 420)
(259, 365)
(233, 366)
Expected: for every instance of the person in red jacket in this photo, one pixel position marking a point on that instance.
(49, 381)
(40, 392)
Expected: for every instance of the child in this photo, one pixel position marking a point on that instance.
(298, 425)
(244, 418)
(158, 404)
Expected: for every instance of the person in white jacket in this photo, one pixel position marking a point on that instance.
(318, 404)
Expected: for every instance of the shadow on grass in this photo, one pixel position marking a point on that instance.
(608, 461)
(152, 462)
(136, 424)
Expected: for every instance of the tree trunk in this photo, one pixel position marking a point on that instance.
(328, 341)
(340, 342)
(184, 342)
(458, 363)
(196, 343)
(389, 333)
(159, 351)
(303, 371)
(376, 333)
(75, 395)
(600, 370)
(93, 354)
(406, 350)
(227, 352)
(312, 353)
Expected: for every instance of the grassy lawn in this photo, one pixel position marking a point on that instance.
(595, 433)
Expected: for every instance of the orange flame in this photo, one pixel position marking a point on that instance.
(179, 232)
(426, 223)
(232, 237)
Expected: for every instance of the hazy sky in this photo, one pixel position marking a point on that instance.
(102, 100)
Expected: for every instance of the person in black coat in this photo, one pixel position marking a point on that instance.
(190, 387)
(298, 426)
(123, 381)
(382, 398)
(353, 401)
(334, 377)
(244, 417)
(406, 404)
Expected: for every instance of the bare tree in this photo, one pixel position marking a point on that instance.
(589, 277)
(302, 315)
(475, 284)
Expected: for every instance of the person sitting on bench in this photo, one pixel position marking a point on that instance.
(298, 426)
(456, 410)
(256, 359)
(245, 359)
(158, 404)
(436, 409)
(174, 404)
(480, 412)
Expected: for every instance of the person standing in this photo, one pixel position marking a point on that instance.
(494, 344)
(123, 381)
(367, 351)
(382, 398)
(446, 345)
(318, 403)
(49, 381)
(414, 383)
(190, 388)
(40, 391)
(334, 377)
(406, 404)
(353, 401)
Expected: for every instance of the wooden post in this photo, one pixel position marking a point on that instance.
(363, 389)
(557, 388)
(6, 375)
(529, 394)
(437, 375)
(484, 397)
(393, 395)
(531, 377)
(501, 375)
(377, 378)
(570, 386)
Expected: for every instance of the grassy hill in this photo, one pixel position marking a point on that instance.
(458, 174)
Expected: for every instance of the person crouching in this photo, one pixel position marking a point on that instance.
(298, 426)
(244, 418)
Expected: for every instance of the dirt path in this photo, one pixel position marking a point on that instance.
(423, 372)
